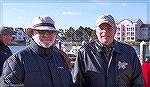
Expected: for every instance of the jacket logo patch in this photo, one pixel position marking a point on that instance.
(60, 67)
(122, 65)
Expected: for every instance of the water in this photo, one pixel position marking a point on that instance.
(14, 49)
(67, 48)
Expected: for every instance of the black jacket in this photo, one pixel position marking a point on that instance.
(93, 70)
(36, 66)
(5, 53)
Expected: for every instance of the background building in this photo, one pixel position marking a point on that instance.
(20, 35)
(145, 29)
(128, 30)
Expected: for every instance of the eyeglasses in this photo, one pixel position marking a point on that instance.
(44, 31)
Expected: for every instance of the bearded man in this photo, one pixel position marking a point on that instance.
(39, 64)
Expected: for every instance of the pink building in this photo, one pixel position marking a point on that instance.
(128, 30)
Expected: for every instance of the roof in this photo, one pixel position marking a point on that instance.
(132, 20)
(145, 25)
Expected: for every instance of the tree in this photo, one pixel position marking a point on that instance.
(78, 34)
(88, 31)
(93, 35)
(70, 33)
(81, 28)
(84, 34)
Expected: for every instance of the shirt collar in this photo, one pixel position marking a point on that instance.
(2, 44)
(114, 45)
(45, 52)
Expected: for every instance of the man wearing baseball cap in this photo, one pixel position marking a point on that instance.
(38, 65)
(5, 39)
(106, 62)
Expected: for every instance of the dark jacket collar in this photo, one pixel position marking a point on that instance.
(45, 52)
(115, 46)
(2, 44)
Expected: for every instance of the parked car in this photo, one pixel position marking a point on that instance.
(72, 54)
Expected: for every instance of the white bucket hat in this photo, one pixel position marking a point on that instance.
(42, 23)
(106, 18)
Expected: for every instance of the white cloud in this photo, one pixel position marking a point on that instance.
(20, 17)
(63, 7)
(123, 4)
(14, 8)
(71, 13)
(19, 10)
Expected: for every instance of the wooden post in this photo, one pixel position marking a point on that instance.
(142, 51)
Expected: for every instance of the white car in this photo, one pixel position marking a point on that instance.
(73, 52)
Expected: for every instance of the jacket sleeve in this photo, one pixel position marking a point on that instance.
(13, 72)
(137, 80)
(78, 71)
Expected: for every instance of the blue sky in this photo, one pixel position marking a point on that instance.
(71, 14)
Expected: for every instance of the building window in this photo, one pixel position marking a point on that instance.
(118, 29)
(127, 29)
(133, 28)
(118, 34)
(123, 34)
(123, 29)
(132, 38)
(118, 38)
(132, 33)
(128, 38)
(128, 33)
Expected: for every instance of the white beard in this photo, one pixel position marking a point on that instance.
(45, 44)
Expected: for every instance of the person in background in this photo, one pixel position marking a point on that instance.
(5, 39)
(106, 62)
(39, 64)
(146, 72)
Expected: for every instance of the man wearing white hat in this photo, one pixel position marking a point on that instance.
(5, 39)
(106, 62)
(38, 65)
